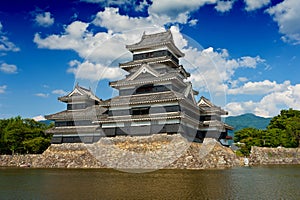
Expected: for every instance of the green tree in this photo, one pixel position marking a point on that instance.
(288, 121)
(283, 130)
(14, 134)
(36, 145)
(248, 137)
(3, 147)
(19, 136)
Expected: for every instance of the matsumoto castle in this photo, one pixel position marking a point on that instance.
(154, 98)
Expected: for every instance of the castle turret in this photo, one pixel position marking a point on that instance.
(155, 96)
(75, 123)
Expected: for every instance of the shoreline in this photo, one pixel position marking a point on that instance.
(149, 153)
(12, 164)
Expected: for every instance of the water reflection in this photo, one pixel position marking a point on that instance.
(240, 183)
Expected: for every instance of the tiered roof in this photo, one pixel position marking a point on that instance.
(147, 80)
(157, 40)
(209, 108)
(89, 113)
(79, 94)
(154, 77)
(146, 98)
(136, 63)
(217, 124)
(148, 117)
(136, 118)
(75, 129)
(124, 82)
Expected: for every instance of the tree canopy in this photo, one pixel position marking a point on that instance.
(283, 130)
(19, 135)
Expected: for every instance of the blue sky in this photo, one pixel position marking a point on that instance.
(244, 55)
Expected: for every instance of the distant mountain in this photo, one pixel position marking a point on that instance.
(42, 119)
(47, 122)
(248, 120)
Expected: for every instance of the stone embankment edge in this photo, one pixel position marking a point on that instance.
(274, 156)
(124, 152)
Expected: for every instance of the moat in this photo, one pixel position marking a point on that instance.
(268, 182)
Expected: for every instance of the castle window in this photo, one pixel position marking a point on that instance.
(154, 54)
(76, 106)
(140, 111)
(144, 89)
(73, 123)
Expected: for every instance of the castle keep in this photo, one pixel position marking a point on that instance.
(155, 97)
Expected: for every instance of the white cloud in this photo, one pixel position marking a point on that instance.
(6, 45)
(224, 6)
(44, 19)
(39, 118)
(45, 86)
(262, 87)
(101, 47)
(112, 2)
(243, 79)
(77, 29)
(43, 95)
(97, 1)
(193, 22)
(113, 21)
(144, 4)
(238, 108)
(286, 14)
(256, 4)
(104, 48)
(8, 69)
(69, 40)
(176, 10)
(178, 38)
(2, 89)
(123, 30)
(211, 69)
(270, 105)
(59, 92)
(160, 12)
(138, 6)
(94, 72)
(250, 62)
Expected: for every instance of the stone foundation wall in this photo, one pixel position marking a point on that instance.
(124, 152)
(265, 156)
(17, 160)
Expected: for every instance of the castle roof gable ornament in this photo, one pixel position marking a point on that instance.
(79, 91)
(144, 69)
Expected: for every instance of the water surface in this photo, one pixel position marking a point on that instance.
(272, 182)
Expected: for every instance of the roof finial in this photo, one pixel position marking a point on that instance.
(144, 34)
(171, 35)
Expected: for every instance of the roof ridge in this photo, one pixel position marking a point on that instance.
(159, 33)
(83, 88)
